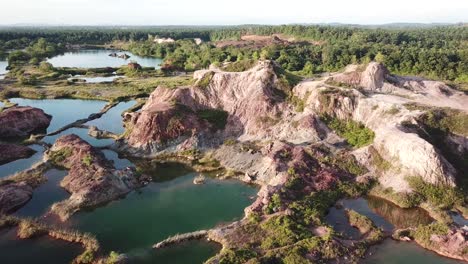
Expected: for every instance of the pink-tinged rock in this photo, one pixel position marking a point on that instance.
(454, 244)
(13, 196)
(91, 179)
(21, 121)
(11, 152)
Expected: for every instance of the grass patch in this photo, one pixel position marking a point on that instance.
(361, 222)
(379, 163)
(423, 234)
(87, 160)
(57, 157)
(355, 133)
(439, 195)
(216, 117)
(403, 200)
(204, 82)
(240, 66)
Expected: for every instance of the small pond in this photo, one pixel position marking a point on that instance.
(63, 111)
(45, 195)
(459, 219)
(99, 58)
(3, 70)
(396, 252)
(13, 167)
(161, 209)
(36, 250)
(383, 213)
(96, 79)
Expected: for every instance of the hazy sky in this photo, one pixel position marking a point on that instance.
(210, 12)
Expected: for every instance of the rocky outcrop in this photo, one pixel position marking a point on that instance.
(11, 152)
(91, 178)
(253, 102)
(454, 244)
(13, 196)
(22, 121)
(387, 114)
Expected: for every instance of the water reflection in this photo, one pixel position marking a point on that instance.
(99, 58)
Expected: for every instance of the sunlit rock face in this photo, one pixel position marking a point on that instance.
(21, 121)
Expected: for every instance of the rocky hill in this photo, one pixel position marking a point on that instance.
(91, 179)
(309, 138)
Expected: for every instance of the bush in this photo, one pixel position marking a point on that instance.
(57, 157)
(216, 117)
(204, 82)
(423, 233)
(240, 66)
(238, 256)
(355, 133)
(87, 160)
(438, 195)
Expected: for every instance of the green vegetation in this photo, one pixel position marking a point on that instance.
(446, 120)
(443, 196)
(423, 233)
(216, 117)
(204, 82)
(355, 133)
(87, 160)
(33, 177)
(240, 66)
(319, 49)
(344, 161)
(380, 164)
(403, 200)
(28, 228)
(112, 258)
(362, 222)
(238, 256)
(58, 156)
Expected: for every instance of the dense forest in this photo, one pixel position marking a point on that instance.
(435, 52)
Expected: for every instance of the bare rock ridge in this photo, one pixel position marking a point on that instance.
(387, 113)
(91, 179)
(21, 121)
(169, 122)
(173, 118)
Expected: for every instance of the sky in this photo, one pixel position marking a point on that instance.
(233, 12)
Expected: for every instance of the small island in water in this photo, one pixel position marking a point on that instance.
(249, 144)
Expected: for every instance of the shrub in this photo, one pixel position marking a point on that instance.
(423, 233)
(204, 82)
(237, 256)
(438, 195)
(355, 133)
(216, 117)
(87, 160)
(240, 66)
(57, 157)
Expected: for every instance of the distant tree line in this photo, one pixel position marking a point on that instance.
(435, 52)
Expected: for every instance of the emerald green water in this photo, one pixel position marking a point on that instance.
(63, 111)
(36, 250)
(396, 252)
(162, 209)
